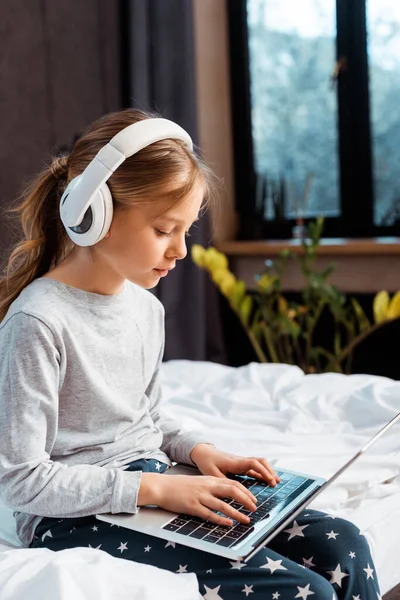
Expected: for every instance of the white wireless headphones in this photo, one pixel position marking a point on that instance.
(86, 206)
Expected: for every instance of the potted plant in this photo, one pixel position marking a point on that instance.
(283, 330)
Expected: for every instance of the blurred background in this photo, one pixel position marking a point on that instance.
(294, 104)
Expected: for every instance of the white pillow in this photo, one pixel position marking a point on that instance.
(8, 531)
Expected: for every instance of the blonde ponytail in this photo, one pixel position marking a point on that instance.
(45, 240)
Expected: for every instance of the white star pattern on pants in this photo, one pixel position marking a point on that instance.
(237, 565)
(308, 562)
(247, 590)
(332, 534)
(147, 548)
(352, 554)
(356, 597)
(295, 530)
(47, 534)
(182, 569)
(304, 591)
(274, 565)
(169, 544)
(96, 548)
(369, 571)
(212, 594)
(158, 466)
(337, 575)
(123, 547)
(275, 596)
(95, 528)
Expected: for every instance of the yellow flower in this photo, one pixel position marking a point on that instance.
(380, 306)
(198, 254)
(394, 307)
(386, 308)
(227, 284)
(215, 260)
(282, 305)
(265, 281)
(218, 275)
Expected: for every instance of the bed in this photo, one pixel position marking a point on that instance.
(310, 423)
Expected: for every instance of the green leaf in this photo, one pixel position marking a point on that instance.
(336, 343)
(245, 308)
(257, 325)
(237, 293)
(290, 327)
(328, 271)
(362, 319)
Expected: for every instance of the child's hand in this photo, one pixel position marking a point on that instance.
(200, 496)
(211, 461)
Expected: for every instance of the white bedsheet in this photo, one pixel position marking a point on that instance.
(86, 574)
(312, 423)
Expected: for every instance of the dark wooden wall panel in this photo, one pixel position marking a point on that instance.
(59, 70)
(24, 123)
(74, 57)
(110, 47)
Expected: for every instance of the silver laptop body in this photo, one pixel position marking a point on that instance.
(276, 507)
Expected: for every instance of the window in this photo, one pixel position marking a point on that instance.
(316, 113)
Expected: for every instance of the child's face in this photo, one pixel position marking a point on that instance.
(143, 246)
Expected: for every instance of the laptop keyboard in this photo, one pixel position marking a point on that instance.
(268, 498)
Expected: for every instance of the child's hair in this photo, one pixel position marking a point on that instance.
(165, 170)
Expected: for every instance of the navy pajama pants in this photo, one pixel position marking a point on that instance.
(317, 557)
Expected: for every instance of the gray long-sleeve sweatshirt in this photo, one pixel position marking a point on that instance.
(80, 399)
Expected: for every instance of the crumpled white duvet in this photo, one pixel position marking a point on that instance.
(87, 574)
(309, 423)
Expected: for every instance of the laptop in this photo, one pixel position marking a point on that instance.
(276, 508)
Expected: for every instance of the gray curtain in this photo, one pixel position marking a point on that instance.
(159, 74)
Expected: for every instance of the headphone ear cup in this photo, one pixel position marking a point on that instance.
(108, 210)
(96, 221)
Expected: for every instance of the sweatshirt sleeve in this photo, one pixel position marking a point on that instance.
(30, 481)
(177, 442)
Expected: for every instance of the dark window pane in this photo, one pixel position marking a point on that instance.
(294, 106)
(383, 24)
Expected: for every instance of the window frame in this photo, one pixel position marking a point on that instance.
(356, 185)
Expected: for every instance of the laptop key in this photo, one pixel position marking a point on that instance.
(247, 482)
(188, 528)
(262, 511)
(226, 542)
(220, 531)
(211, 538)
(208, 525)
(200, 533)
(234, 534)
(170, 527)
(179, 522)
(243, 528)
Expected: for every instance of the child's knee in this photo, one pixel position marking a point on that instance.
(310, 581)
(350, 546)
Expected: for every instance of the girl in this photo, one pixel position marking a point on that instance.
(81, 343)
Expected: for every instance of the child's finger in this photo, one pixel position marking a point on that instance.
(256, 475)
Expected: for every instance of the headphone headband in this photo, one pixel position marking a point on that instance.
(81, 190)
